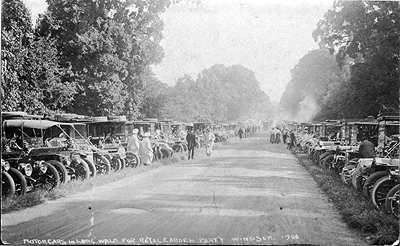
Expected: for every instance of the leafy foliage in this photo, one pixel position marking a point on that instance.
(315, 76)
(220, 93)
(109, 45)
(365, 36)
(31, 76)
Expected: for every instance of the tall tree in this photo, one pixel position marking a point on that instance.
(31, 77)
(365, 36)
(313, 80)
(109, 45)
(218, 94)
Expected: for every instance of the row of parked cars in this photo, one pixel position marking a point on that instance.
(376, 177)
(42, 152)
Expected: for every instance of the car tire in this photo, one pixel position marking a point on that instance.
(61, 169)
(19, 181)
(7, 182)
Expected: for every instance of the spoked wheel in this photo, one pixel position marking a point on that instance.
(50, 179)
(102, 164)
(19, 181)
(357, 180)
(91, 166)
(123, 162)
(61, 169)
(392, 203)
(82, 170)
(327, 162)
(7, 185)
(132, 160)
(381, 189)
(370, 181)
(165, 153)
(116, 164)
(346, 173)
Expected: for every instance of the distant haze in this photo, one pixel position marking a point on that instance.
(266, 36)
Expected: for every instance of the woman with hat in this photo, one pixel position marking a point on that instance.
(133, 142)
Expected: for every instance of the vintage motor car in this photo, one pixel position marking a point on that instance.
(41, 146)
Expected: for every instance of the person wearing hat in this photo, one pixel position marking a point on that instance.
(133, 144)
(191, 143)
(146, 150)
(210, 138)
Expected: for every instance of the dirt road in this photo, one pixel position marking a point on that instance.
(248, 192)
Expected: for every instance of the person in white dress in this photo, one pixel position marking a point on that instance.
(146, 150)
(210, 138)
(133, 142)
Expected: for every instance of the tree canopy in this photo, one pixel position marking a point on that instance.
(219, 93)
(312, 81)
(31, 76)
(109, 45)
(364, 36)
(364, 39)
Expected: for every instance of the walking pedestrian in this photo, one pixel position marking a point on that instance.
(191, 143)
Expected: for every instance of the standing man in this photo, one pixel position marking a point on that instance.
(292, 140)
(191, 143)
(272, 137)
(240, 132)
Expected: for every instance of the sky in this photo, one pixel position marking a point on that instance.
(266, 36)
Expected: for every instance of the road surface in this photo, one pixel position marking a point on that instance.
(248, 192)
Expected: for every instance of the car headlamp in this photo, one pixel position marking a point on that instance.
(43, 167)
(27, 169)
(5, 165)
(74, 157)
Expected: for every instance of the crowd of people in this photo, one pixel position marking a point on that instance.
(245, 132)
(284, 135)
(144, 147)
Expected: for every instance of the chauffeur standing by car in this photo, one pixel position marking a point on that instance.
(191, 143)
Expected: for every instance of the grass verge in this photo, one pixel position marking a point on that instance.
(375, 226)
(40, 196)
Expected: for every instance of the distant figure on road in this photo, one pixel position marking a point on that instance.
(272, 136)
(292, 140)
(240, 132)
(277, 136)
(284, 135)
(210, 138)
(146, 151)
(191, 143)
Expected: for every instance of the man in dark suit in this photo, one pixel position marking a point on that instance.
(191, 143)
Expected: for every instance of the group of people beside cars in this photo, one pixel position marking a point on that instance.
(245, 132)
(141, 147)
(144, 147)
(283, 135)
(193, 141)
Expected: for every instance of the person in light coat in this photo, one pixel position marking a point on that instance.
(133, 142)
(210, 138)
(146, 150)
